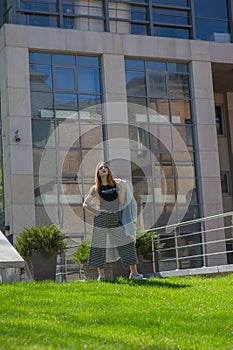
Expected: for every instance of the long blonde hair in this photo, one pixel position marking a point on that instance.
(110, 179)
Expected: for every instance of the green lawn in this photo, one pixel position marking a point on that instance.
(175, 313)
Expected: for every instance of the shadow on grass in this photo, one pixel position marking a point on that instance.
(150, 282)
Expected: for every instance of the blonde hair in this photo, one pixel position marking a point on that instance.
(110, 179)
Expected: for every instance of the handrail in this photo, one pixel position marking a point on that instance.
(194, 221)
(205, 243)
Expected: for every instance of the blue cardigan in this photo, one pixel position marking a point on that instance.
(129, 212)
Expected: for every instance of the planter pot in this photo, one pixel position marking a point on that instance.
(43, 266)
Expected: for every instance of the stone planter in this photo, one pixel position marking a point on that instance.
(42, 266)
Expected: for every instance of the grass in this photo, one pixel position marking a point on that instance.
(175, 313)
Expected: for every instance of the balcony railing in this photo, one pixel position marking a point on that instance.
(186, 246)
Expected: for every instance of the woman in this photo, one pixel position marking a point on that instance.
(109, 241)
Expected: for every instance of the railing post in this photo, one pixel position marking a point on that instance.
(153, 250)
(203, 244)
(177, 251)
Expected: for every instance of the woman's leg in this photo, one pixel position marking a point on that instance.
(133, 269)
(100, 271)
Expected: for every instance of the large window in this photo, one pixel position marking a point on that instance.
(186, 19)
(212, 21)
(162, 148)
(172, 19)
(66, 127)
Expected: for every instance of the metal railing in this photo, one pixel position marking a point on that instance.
(201, 242)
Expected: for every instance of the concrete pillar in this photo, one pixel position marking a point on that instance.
(17, 156)
(116, 116)
(208, 159)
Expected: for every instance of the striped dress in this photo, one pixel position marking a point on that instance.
(109, 239)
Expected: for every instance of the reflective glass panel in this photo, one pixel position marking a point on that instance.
(91, 137)
(170, 2)
(214, 9)
(88, 80)
(140, 29)
(135, 83)
(69, 161)
(180, 112)
(137, 112)
(156, 84)
(40, 77)
(44, 164)
(170, 16)
(43, 133)
(212, 30)
(185, 132)
(134, 64)
(89, 61)
(138, 13)
(159, 111)
(41, 21)
(68, 60)
(39, 57)
(66, 106)
(42, 105)
(155, 66)
(178, 85)
(68, 134)
(64, 78)
(171, 32)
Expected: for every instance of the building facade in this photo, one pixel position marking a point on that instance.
(145, 85)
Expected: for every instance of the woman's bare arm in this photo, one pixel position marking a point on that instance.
(86, 204)
(122, 193)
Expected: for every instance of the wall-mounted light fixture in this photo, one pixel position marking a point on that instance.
(17, 137)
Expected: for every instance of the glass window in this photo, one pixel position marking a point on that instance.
(90, 61)
(162, 132)
(178, 85)
(140, 29)
(42, 5)
(171, 32)
(138, 13)
(43, 133)
(66, 106)
(68, 60)
(137, 112)
(180, 112)
(88, 80)
(136, 83)
(215, 9)
(170, 16)
(225, 182)
(41, 20)
(61, 135)
(40, 57)
(155, 66)
(212, 22)
(159, 112)
(40, 77)
(212, 30)
(171, 2)
(42, 105)
(219, 119)
(44, 164)
(134, 64)
(64, 79)
(156, 84)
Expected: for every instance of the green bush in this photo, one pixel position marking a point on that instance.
(144, 244)
(45, 239)
(82, 252)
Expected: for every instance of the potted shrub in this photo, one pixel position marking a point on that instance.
(81, 254)
(39, 247)
(144, 248)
